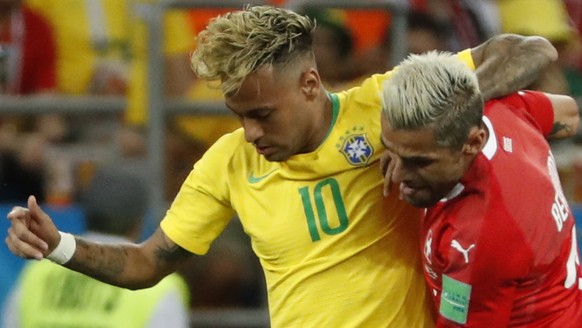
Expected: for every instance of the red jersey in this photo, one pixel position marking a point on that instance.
(500, 250)
(30, 46)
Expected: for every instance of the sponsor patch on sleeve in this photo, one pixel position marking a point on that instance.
(455, 298)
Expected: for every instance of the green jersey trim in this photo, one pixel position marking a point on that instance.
(335, 104)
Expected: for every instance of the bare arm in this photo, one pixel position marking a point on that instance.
(551, 80)
(509, 62)
(566, 116)
(128, 265)
(134, 266)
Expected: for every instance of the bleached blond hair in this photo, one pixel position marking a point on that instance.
(437, 90)
(238, 43)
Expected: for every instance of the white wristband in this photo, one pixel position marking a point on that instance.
(64, 250)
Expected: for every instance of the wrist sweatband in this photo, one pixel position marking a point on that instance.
(64, 250)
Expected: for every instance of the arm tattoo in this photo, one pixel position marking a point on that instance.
(105, 262)
(559, 126)
(511, 65)
(167, 254)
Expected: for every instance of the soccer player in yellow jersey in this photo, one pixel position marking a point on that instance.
(303, 176)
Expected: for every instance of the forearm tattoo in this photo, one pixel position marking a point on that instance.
(559, 126)
(170, 254)
(517, 74)
(104, 263)
(513, 70)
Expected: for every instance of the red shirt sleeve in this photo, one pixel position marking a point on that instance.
(537, 105)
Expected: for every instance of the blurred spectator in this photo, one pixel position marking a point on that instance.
(27, 67)
(102, 50)
(333, 46)
(48, 295)
(27, 50)
(367, 28)
(547, 18)
(424, 32)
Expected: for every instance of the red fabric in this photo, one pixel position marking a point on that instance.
(39, 55)
(510, 233)
(464, 25)
(537, 105)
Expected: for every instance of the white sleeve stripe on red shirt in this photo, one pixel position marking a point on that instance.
(491, 146)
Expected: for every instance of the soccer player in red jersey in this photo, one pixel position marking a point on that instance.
(498, 237)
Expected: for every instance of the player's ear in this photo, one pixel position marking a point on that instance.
(310, 83)
(476, 141)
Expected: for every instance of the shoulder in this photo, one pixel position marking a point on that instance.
(366, 96)
(228, 152)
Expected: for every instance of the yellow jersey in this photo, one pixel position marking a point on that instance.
(334, 251)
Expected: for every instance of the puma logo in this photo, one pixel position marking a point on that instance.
(456, 245)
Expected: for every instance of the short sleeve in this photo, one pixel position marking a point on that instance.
(466, 57)
(537, 104)
(202, 208)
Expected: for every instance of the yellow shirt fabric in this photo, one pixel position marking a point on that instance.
(335, 253)
(547, 18)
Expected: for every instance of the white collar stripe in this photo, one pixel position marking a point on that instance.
(491, 146)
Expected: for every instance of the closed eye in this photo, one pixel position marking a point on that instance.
(260, 114)
(419, 162)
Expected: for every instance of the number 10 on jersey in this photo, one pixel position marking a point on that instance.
(326, 192)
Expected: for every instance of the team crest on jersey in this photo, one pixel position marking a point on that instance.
(356, 147)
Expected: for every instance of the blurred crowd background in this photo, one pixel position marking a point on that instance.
(76, 89)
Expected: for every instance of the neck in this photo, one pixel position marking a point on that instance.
(322, 123)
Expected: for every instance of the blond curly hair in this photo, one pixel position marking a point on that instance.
(238, 43)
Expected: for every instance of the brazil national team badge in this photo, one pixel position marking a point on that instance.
(356, 148)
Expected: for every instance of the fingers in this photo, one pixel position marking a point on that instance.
(36, 213)
(388, 178)
(387, 167)
(384, 161)
(22, 242)
(25, 239)
(42, 225)
(18, 212)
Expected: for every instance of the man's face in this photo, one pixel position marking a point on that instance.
(276, 113)
(424, 171)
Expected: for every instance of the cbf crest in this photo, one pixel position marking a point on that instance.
(355, 147)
